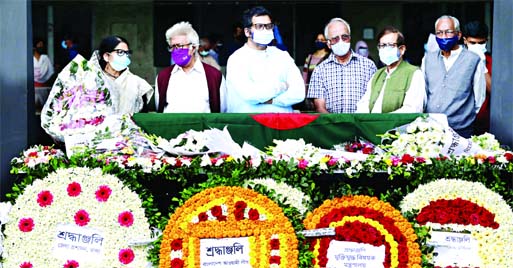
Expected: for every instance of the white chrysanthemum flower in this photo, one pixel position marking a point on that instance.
(37, 244)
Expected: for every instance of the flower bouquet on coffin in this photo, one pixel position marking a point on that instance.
(307, 154)
(358, 149)
(194, 142)
(78, 102)
(428, 138)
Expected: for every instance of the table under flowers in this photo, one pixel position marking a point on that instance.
(201, 188)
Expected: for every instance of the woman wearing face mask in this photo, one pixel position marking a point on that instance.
(43, 67)
(399, 87)
(321, 52)
(204, 50)
(313, 59)
(132, 92)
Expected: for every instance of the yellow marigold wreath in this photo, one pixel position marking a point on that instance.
(229, 212)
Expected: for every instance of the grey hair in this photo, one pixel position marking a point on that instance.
(454, 20)
(335, 20)
(183, 28)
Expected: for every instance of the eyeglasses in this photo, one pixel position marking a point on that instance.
(449, 33)
(122, 52)
(336, 39)
(383, 45)
(175, 46)
(261, 26)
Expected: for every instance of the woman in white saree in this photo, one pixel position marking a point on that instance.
(91, 96)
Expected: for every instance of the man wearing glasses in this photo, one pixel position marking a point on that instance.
(399, 87)
(339, 82)
(455, 82)
(188, 86)
(259, 77)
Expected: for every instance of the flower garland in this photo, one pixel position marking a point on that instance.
(365, 219)
(283, 193)
(85, 200)
(464, 206)
(224, 212)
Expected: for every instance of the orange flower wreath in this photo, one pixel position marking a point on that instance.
(223, 212)
(350, 215)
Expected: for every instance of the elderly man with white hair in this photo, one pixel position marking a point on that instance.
(339, 82)
(455, 82)
(188, 86)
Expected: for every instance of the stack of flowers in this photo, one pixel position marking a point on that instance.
(365, 219)
(488, 143)
(73, 211)
(283, 193)
(422, 137)
(464, 206)
(36, 155)
(229, 212)
(358, 146)
(295, 150)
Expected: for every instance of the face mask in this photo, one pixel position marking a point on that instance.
(446, 44)
(477, 48)
(262, 37)
(40, 50)
(363, 51)
(181, 56)
(341, 48)
(320, 45)
(389, 55)
(119, 63)
(204, 53)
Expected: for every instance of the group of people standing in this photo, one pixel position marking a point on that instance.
(261, 77)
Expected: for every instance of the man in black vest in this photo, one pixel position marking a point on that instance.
(188, 86)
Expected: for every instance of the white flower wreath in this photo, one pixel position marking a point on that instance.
(85, 202)
(494, 245)
(284, 193)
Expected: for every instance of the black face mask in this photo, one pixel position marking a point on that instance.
(40, 50)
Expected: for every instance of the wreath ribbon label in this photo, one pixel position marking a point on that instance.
(80, 243)
(454, 249)
(354, 254)
(225, 252)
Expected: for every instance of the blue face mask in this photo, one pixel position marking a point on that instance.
(446, 44)
(119, 63)
(320, 45)
(389, 55)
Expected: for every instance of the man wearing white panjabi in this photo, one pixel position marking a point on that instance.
(259, 77)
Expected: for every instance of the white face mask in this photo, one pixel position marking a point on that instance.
(262, 37)
(389, 55)
(479, 49)
(341, 48)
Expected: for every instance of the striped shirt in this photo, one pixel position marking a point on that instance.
(341, 85)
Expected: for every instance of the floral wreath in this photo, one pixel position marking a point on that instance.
(223, 212)
(465, 206)
(84, 199)
(383, 225)
(284, 193)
